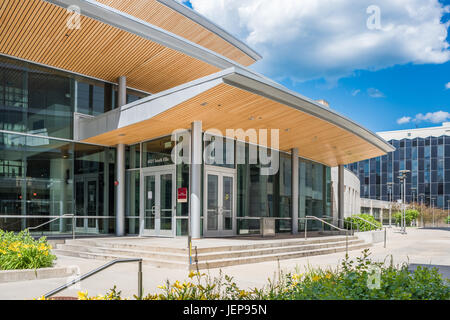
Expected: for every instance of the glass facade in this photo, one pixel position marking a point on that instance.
(40, 177)
(43, 172)
(428, 160)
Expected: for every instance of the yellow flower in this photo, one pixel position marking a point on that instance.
(178, 285)
(316, 278)
(83, 295)
(328, 276)
(162, 287)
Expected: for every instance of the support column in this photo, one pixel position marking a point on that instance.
(294, 188)
(120, 166)
(120, 194)
(196, 179)
(122, 91)
(341, 195)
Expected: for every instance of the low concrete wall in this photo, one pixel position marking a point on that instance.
(44, 273)
(371, 236)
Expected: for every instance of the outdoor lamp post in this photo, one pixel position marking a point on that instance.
(390, 185)
(422, 195)
(413, 192)
(432, 206)
(448, 211)
(402, 178)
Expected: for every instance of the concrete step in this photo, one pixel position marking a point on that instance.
(286, 256)
(157, 255)
(122, 245)
(108, 257)
(201, 257)
(233, 255)
(273, 250)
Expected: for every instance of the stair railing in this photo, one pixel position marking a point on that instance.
(99, 269)
(306, 218)
(64, 216)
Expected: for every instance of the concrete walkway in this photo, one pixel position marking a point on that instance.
(419, 246)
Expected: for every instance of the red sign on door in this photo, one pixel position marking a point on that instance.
(182, 195)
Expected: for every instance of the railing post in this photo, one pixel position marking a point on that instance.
(346, 242)
(140, 289)
(306, 229)
(384, 237)
(73, 226)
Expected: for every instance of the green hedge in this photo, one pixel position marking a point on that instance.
(360, 224)
(410, 215)
(21, 251)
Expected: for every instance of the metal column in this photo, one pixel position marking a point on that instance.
(120, 194)
(120, 167)
(295, 182)
(341, 188)
(196, 179)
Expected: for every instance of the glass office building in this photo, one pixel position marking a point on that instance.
(427, 159)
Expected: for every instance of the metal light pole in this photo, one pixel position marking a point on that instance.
(448, 211)
(421, 207)
(390, 184)
(402, 178)
(413, 191)
(432, 206)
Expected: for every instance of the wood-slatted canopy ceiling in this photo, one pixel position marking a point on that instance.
(166, 18)
(36, 30)
(228, 107)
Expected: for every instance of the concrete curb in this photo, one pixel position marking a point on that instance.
(44, 273)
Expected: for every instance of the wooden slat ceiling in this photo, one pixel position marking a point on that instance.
(36, 30)
(229, 107)
(166, 18)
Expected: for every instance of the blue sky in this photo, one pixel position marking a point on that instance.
(398, 78)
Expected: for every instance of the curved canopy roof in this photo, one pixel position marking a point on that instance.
(239, 99)
(187, 23)
(109, 44)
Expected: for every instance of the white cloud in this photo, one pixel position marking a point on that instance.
(433, 117)
(304, 40)
(375, 93)
(355, 92)
(404, 120)
(447, 85)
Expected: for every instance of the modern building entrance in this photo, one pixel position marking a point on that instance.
(158, 204)
(86, 203)
(219, 202)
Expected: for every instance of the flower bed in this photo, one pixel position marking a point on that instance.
(21, 251)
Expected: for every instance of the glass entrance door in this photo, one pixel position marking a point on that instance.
(158, 205)
(86, 204)
(219, 203)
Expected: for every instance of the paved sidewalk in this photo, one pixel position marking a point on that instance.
(419, 246)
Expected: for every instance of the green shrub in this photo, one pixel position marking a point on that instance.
(349, 281)
(410, 216)
(361, 225)
(21, 251)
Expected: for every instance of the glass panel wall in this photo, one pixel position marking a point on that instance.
(39, 100)
(37, 177)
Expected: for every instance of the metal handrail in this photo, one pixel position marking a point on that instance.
(93, 272)
(50, 221)
(306, 218)
(373, 224)
(69, 215)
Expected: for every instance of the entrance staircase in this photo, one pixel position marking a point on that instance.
(209, 257)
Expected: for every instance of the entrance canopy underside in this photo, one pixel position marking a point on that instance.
(238, 99)
(106, 44)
